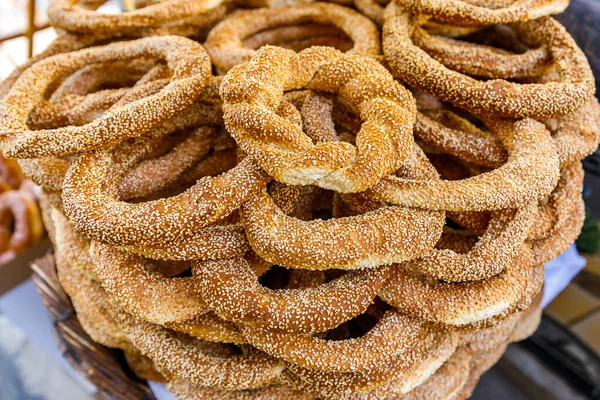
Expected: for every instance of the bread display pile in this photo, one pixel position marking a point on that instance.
(272, 199)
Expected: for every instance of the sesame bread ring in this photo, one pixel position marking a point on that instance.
(231, 290)
(131, 280)
(74, 248)
(576, 135)
(462, 12)
(382, 343)
(251, 93)
(413, 366)
(225, 41)
(95, 209)
(458, 137)
(285, 36)
(375, 11)
(493, 97)
(209, 327)
(72, 16)
(530, 173)
(64, 42)
(91, 304)
(529, 320)
(564, 234)
(187, 60)
(445, 383)
(458, 303)
(491, 254)
(81, 97)
(10, 172)
(553, 214)
(482, 60)
(19, 210)
(205, 363)
(378, 237)
(143, 367)
(185, 390)
(49, 172)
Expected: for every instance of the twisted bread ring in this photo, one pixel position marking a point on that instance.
(493, 97)
(531, 172)
(463, 12)
(187, 60)
(225, 41)
(230, 289)
(251, 93)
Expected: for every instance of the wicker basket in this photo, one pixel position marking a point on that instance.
(103, 367)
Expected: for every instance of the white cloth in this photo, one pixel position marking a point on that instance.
(561, 271)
